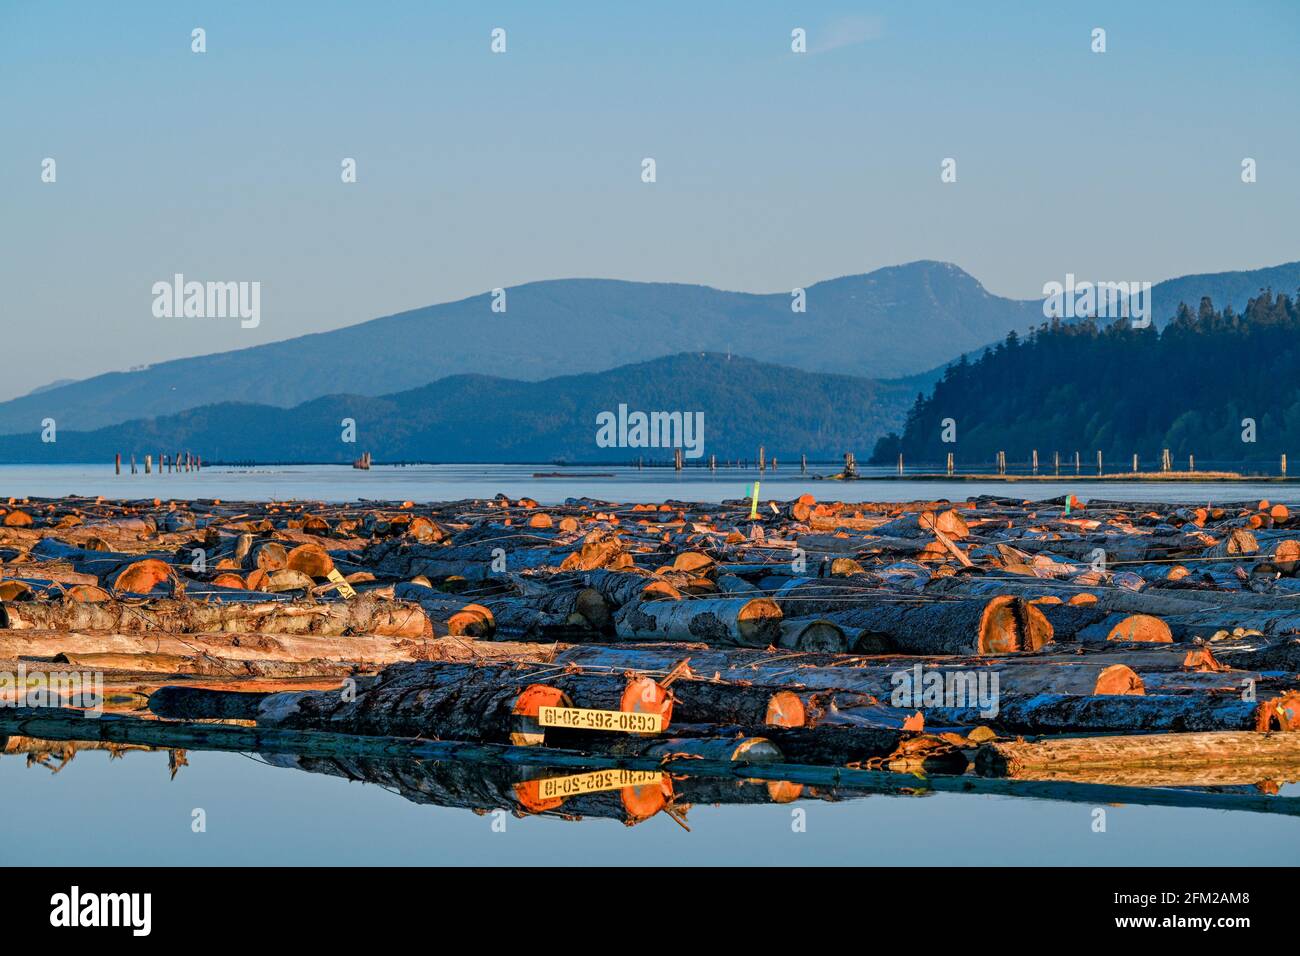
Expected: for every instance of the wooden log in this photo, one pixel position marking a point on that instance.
(484, 702)
(1000, 625)
(709, 702)
(367, 649)
(1059, 713)
(363, 615)
(816, 634)
(924, 523)
(456, 616)
(744, 622)
(1265, 753)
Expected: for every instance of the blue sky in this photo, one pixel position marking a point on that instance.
(477, 170)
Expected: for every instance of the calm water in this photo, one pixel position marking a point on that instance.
(98, 810)
(450, 482)
(127, 811)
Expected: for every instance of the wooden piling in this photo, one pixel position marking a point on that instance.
(1191, 462)
(803, 464)
(900, 463)
(762, 459)
(1056, 462)
(117, 463)
(1035, 461)
(1284, 464)
(1135, 464)
(148, 464)
(1099, 471)
(950, 463)
(133, 463)
(1078, 470)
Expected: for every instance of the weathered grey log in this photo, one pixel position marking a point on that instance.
(816, 634)
(739, 621)
(1059, 713)
(999, 625)
(481, 702)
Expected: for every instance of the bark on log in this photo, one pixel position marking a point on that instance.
(1274, 753)
(1056, 713)
(362, 615)
(491, 703)
(744, 622)
(1000, 625)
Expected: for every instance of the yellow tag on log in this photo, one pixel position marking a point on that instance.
(347, 590)
(557, 788)
(584, 718)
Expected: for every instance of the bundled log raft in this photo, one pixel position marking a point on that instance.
(871, 635)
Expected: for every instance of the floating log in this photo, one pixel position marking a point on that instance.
(743, 622)
(1266, 755)
(365, 614)
(459, 701)
(1000, 625)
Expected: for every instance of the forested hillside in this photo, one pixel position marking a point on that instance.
(1120, 390)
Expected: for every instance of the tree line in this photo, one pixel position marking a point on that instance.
(1217, 384)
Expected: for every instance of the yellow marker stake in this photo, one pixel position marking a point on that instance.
(753, 506)
(347, 590)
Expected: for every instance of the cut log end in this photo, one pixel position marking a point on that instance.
(1010, 625)
(644, 695)
(785, 709)
(1119, 679)
(759, 622)
(1144, 628)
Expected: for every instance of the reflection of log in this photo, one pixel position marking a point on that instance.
(747, 622)
(362, 615)
(63, 725)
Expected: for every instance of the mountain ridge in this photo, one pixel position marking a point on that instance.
(473, 417)
(893, 322)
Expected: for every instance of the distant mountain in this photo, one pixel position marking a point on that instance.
(893, 322)
(478, 418)
(1218, 384)
(889, 323)
(1233, 289)
(57, 383)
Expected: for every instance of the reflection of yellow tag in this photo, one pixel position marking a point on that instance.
(347, 590)
(558, 788)
(584, 718)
